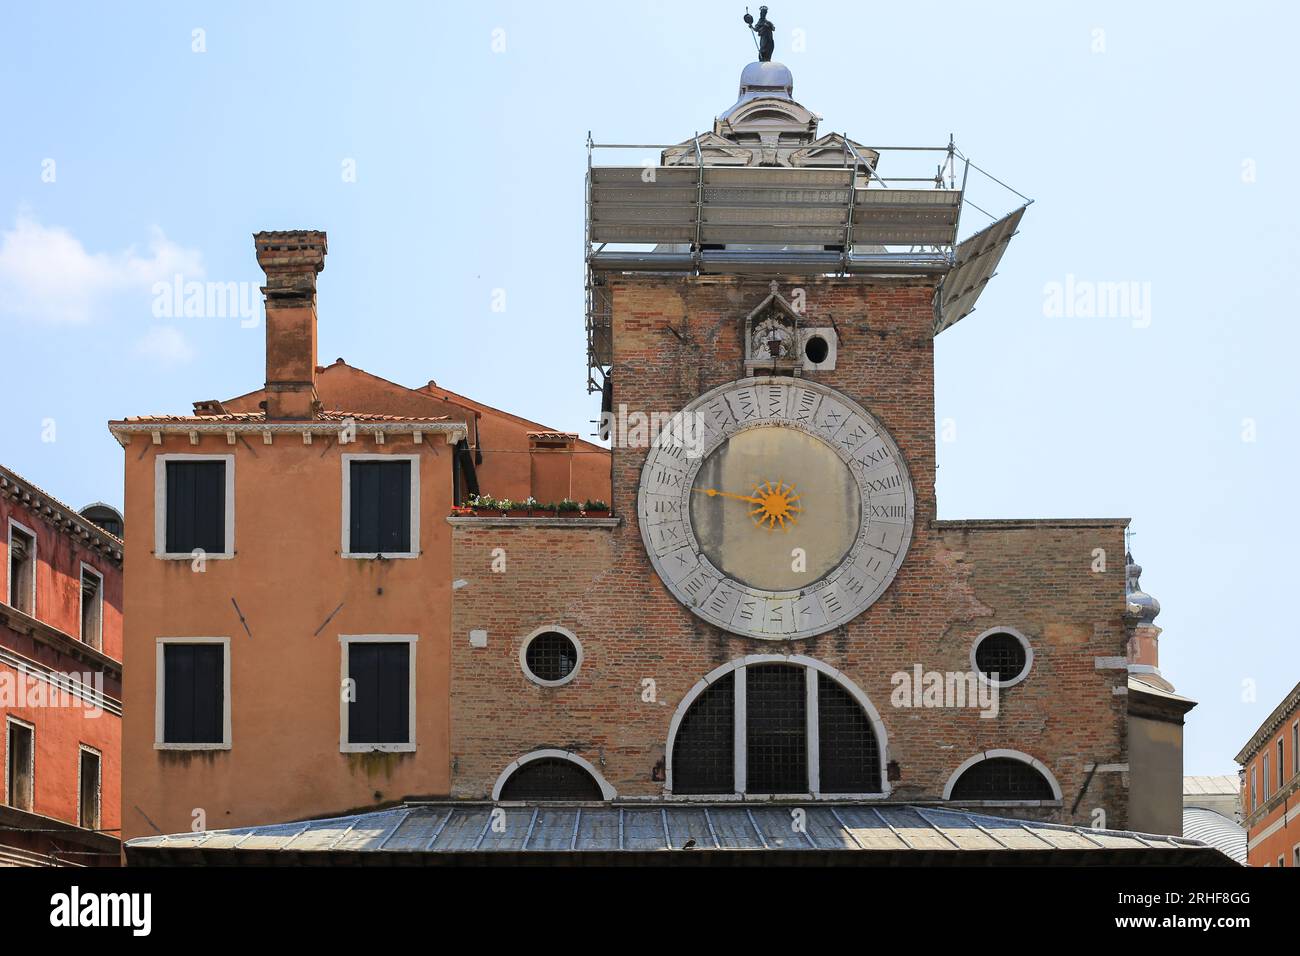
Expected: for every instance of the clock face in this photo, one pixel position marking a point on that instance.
(775, 508)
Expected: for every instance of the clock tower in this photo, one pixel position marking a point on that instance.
(774, 610)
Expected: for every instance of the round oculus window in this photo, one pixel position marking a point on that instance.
(551, 657)
(1002, 657)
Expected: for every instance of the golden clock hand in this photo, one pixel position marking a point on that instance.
(714, 492)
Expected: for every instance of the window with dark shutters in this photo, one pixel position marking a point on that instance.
(380, 507)
(194, 693)
(379, 712)
(196, 507)
(20, 748)
(88, 803)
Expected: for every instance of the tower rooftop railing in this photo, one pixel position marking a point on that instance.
(824, 210)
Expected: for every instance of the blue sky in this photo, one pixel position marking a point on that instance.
(1157, 140)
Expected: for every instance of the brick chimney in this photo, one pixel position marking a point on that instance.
(291, 261)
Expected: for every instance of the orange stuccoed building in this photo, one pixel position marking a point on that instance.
(288, 606)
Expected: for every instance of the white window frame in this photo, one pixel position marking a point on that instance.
(160, 694)
(346, 531)
(1295, 748)
(812, 667)
(1254, 786)
(9, 565)
(1263, 771)
(1280, 753)
(10, 719)
(99, 786)
(81, 606)
(160, 508)
(345, 641)
(1000, 683)
(547, 629)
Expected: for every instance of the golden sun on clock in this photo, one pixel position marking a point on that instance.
(789, 516)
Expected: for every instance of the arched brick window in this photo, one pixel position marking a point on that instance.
(1002, 778)
(551, 775)
(769, 724)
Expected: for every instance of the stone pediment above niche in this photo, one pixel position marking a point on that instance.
(772, 336)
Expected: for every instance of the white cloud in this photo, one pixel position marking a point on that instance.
(165, 345)
(46, 273)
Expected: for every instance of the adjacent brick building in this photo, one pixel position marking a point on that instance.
(60, 682)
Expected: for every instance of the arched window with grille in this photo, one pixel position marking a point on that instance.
(1002, 776)
(551, 776)
(768, 724)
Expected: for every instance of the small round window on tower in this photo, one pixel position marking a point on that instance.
(551, 657)
(1002, 657)
(816, 349)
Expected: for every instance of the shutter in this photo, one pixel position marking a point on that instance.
(363, 669)
(196, 506)
(380, 507)
(89, 815)
(394, 693)
(194, 693)
(178, 692)
(380, 712)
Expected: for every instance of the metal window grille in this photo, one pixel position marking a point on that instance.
(1002, 778)
(776, 704)
(551, 778)
(848, 752)
(551, 656)
(703, 752)
(1000, 654)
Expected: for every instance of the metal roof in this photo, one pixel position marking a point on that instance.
(975, 260)
(1216, 830)
(881, 832)
(1221, 783)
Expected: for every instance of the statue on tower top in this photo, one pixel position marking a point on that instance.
(764, 28)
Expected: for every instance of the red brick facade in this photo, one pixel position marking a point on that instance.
(959, 579)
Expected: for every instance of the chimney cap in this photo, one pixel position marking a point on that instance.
(286, 249)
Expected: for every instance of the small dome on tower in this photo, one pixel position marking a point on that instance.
(769, 79)
(1142, 607)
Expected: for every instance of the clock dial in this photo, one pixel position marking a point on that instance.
(789, 516)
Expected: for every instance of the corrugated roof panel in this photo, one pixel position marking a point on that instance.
(508, 829)
(778, 826)
(644, 830)
(322, 834)
(463, 830)
(598, 829)
(554, 829)
(961, 829)
(734, 829)
(371, 829)
(689, 823)
(1216, 830)
(913, 828)
(416, 830)
(868, 828)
